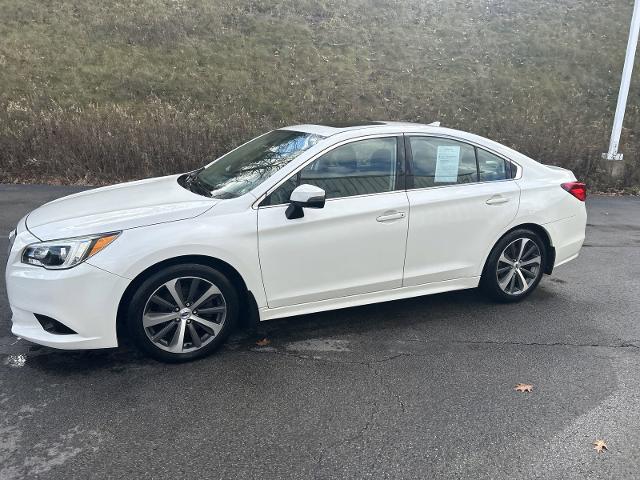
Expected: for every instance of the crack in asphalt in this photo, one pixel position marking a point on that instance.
(543, 344)
(370, 363)
(376, 407)
(392, 391)
(610, 246)
(359, 435)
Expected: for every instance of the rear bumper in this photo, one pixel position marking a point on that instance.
(567, 236)
(84, 298)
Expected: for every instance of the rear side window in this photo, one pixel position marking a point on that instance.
(440, 161)
(492, 167)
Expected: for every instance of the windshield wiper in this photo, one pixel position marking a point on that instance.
(193, 174)
(193, 182)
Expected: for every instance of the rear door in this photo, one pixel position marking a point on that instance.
(461, 199)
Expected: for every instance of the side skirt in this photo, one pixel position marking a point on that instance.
(367, 298)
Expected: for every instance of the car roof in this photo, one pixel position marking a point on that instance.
(328, 130)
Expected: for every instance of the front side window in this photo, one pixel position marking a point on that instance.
(243, 169)
(358, 168)
(440, 161)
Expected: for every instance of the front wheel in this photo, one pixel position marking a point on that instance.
(514, 267)
(182, 312)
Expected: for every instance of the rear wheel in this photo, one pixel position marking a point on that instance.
(183, 312)
(515, 266)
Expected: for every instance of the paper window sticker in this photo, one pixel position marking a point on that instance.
(447, 163)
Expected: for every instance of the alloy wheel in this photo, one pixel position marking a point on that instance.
(519, 266)
(184, 314)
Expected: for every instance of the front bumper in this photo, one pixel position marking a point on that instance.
(84, 298)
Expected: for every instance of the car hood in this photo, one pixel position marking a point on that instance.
(118, 207)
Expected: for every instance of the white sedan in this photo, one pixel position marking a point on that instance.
(301, 219)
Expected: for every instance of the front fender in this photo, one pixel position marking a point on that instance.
(230, 238)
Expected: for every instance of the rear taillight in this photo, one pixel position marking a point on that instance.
(577, 189)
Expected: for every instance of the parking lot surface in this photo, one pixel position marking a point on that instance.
(419, 388)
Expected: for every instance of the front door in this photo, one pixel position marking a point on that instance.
(355, 244)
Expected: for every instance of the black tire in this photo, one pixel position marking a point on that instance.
(489, 282)
(154, 284)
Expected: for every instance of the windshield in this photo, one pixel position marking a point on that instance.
(246, 167)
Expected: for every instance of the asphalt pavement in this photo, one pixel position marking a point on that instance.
(419, 388)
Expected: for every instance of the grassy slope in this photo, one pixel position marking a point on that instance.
(99, 91)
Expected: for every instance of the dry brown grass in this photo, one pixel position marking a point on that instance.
(98, 92)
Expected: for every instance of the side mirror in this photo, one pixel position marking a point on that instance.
(304, 196)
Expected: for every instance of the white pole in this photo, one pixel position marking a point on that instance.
(613, 154)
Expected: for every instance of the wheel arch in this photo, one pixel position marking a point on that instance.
(248, 307)
(542, 233)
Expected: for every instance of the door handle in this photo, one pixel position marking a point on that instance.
(497, 200)
(390, 216)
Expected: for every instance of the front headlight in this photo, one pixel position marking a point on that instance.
(66, 253)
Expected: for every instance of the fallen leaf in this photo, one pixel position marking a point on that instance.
(599, 446)
(263, 343)
(523, 387)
